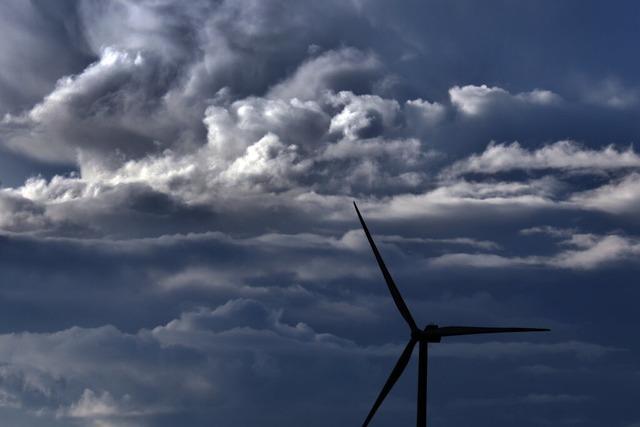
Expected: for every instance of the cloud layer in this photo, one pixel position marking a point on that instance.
(177, 236)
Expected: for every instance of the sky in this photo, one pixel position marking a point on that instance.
(178, 244)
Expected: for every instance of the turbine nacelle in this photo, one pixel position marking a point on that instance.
(430, 333)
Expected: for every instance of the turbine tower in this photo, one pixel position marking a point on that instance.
(430, 334)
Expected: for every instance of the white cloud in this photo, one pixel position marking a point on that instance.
(462, 241)
(255, 146)
(363, 116)
(406, 150)
(621, 197)
(465, 198)
(268, 164)
(479, 260)
(99, 109)
(603, 250)
(232, 129)
(588, 251)
(92, 405)
(562, 155)
(475, 100)
(334, 69)
(423, 113)
(549, 230)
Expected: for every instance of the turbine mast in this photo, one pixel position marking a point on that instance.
(422, 383)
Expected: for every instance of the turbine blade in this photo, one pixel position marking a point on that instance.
(393, 377)
(448, 331)
(395, 293)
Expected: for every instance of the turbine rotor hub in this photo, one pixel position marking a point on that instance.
(428, 334)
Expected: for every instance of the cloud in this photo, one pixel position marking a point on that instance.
(604, 250)
(40, 44)
(425, 113)
(138, 374)
(341, 69)
(612, 93)
(18, 213)
(210, 356)
(254, 146)
(232, 128)
(475, 100)
(91, 405)
(591, 252)
(364, 116)
(178, 237)
(98, 111)
(329, 143)
(562, 155)
(267, 163)
(480, 244)
(549, 230)
(468, 198)
(106, 358)
(479, 260)
(621, 197)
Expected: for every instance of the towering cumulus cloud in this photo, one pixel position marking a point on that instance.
(177, 238)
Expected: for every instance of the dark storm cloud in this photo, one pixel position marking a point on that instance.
(178, 240)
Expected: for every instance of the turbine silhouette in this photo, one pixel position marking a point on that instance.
(430, 334)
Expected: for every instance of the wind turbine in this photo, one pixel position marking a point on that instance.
(430, 334)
